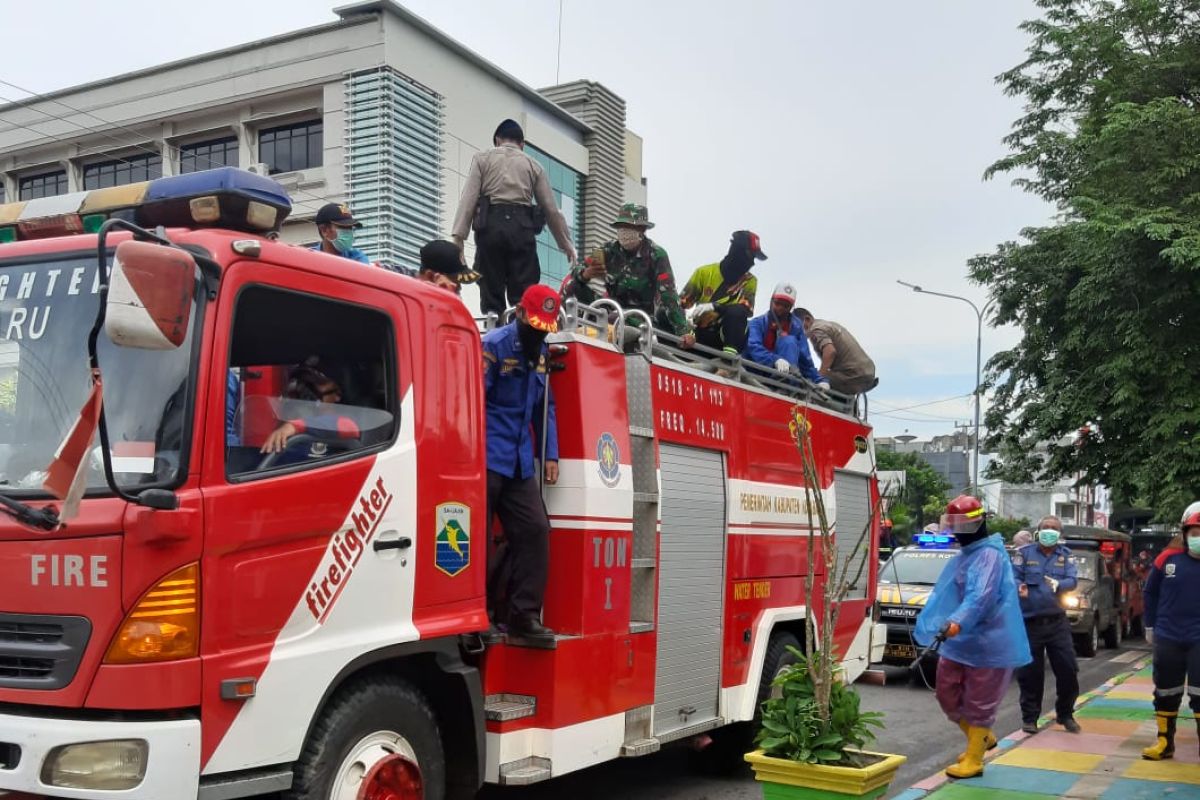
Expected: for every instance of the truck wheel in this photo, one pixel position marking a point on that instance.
(376, 740)
(730, 743)
(1112, 636)
(1089, 643)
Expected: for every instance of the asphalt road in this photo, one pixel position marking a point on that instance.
(915, 727)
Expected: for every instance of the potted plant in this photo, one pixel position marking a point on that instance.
(813, 728)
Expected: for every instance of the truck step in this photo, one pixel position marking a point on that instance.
(525, 771)
(641, 747)
(507, 707)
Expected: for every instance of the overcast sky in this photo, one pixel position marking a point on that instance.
(852, 136)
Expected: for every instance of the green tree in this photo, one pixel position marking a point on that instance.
(924, 495)
(1107, 295)
(1007, 526)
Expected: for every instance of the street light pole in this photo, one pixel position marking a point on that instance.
(979, 314)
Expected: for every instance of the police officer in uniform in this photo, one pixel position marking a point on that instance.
(1172, 618)
(515, 383)
(497, 201)
(1044, 572)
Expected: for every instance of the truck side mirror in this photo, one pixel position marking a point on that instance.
(150, 296)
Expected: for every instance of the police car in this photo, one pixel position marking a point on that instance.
(905, 582)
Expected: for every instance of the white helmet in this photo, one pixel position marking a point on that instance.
(786, 292)
(1187, 512)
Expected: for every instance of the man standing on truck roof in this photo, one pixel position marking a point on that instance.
(498, 203)
(721, 295)
(1044, 572)
(974, 608)
(634, 271)
(336, 227)
(516, 383)
(777, 338)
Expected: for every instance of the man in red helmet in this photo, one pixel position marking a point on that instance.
(1172, 618)
(974, 606)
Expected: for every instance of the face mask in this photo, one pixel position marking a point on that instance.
(1048, 537)
(1193, 543)
(531, 341)
(344, 241)
(629, 238)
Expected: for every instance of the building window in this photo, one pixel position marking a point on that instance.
(47, 184)
(291, 147)
(208, 155)
(567, 185)
(131, 169)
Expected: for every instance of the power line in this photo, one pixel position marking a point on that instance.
(927, 403)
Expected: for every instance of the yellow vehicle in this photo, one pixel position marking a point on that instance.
(905, 581)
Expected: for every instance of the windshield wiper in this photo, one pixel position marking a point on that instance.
(43, 518)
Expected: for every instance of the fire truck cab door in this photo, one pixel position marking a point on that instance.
(303, 551)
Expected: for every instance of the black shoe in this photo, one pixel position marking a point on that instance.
(1029, 727)
(494, 634)
(1070, 724)
(529, 627)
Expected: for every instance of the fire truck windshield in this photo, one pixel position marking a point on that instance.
(47, 307)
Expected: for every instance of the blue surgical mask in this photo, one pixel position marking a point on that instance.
(344, 241)
(1193, 543)
(1048, 537)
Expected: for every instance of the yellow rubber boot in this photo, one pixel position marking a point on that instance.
(990, 741)
(972, 763)
(1164, 746)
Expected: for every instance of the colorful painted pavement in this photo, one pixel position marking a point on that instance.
(1102, 762)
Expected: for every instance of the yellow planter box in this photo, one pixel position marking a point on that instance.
(854, 781)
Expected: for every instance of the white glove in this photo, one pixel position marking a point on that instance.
(1053, 584)
(823, 386)
(701, 309)
(1149, 635)
(782, 365)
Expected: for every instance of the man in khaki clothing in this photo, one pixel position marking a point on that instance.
(844, 363)
(497, 201)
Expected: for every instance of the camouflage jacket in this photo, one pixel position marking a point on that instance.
(642, 280)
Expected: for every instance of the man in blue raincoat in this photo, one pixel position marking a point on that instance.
(975, 607)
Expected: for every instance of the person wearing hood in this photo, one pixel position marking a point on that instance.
(516, 383)
(777, 340)
(721, 296)
(974, 607)
(1044, 572)
(1172, 618)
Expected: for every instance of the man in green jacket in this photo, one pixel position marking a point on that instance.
(635, 272)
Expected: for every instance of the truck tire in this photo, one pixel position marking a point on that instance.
(1089, 643)
(364, 730)
(1112, 635)
(730, 743)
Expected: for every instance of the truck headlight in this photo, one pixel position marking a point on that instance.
(1075, 601)
(113, 765)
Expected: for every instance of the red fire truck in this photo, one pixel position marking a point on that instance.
(199, 619)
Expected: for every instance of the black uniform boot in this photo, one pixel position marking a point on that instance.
(529, 626)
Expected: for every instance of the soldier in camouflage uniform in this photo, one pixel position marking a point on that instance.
(635, 272)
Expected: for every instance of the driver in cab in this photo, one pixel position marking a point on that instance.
(307, 383)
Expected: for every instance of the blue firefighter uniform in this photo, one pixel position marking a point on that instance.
(1172, 613)
(768, 342)
(354, 254)
(1048, 629)
(514, 390)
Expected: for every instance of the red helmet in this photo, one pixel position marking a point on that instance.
(964, 514)
(1190, 521)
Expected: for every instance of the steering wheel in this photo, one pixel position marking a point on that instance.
(334, 446)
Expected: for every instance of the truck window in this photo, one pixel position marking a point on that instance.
(311, 380)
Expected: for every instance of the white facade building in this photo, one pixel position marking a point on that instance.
(378, 109)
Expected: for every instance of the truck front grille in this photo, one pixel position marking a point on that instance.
(40, 651)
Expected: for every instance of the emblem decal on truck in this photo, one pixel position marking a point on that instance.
(452, 548)
(608, 456)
